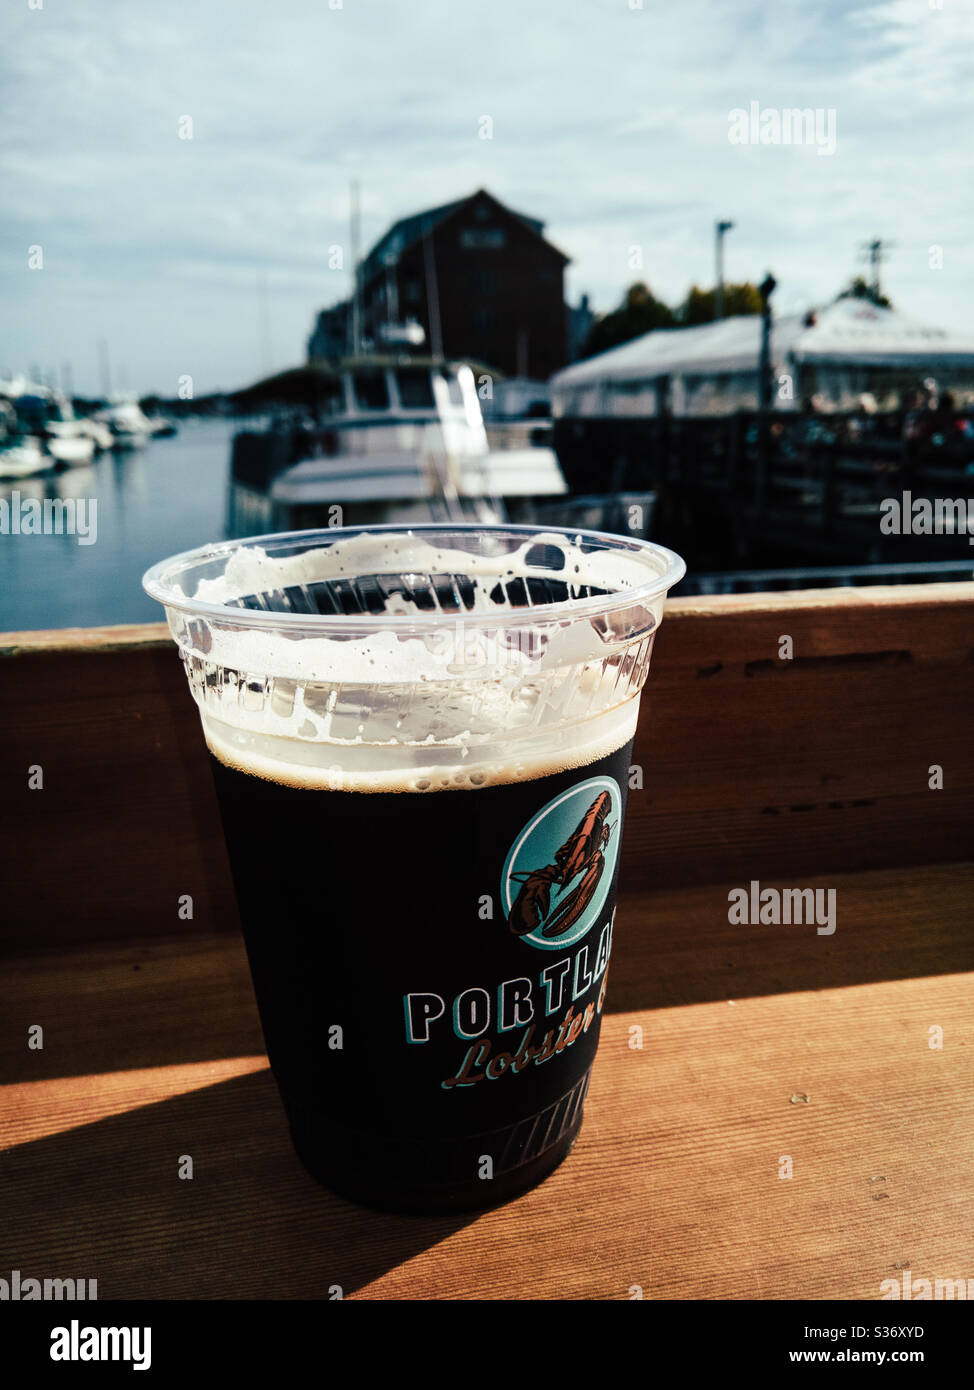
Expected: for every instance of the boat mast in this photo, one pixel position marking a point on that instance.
(104, 369)
(264, 321)
(432, 292)
(354, 233)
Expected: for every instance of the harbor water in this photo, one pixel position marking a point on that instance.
(167, 496)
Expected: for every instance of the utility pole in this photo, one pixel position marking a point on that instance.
(875, 253)
(720, 231)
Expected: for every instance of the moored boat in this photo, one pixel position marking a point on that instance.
(399, 438)
(22, 455)
(98, 432)
(68, 444)
(130, 427)
(47, 416)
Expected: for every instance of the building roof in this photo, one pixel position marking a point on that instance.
(856, 331)
(408, 230)
(851, 331)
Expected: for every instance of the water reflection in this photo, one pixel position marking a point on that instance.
(149, 502)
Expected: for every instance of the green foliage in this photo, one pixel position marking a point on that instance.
(859, 289)
(699, 305)
(639, 313)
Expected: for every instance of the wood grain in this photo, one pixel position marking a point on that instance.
(754, 1044)
(673, 1186)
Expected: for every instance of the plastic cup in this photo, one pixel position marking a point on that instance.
(420, 740)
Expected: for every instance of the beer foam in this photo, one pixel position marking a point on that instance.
(460, 641)
(251, 570)
(379, 770)
(476, 693)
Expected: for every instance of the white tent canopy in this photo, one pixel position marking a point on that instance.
(731, 344)
(857, 332)
(848, 333)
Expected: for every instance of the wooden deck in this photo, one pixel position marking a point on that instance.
(757, 1043)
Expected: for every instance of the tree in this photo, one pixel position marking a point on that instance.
(640, 312)
(700, 305)
(859, 289)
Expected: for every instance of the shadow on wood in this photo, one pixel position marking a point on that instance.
(104, 1201)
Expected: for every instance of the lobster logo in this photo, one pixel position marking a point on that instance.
(568, 854)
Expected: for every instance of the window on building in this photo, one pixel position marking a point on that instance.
(371, 391)
(412, 291)
(482, 238)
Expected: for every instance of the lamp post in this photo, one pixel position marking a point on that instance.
(765, 289)
(720, 231)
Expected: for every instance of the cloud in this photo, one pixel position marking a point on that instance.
(610, 124)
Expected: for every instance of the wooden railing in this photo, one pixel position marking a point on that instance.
(752, 764)
(726, 1049)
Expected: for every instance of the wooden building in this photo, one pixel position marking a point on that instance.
(495, 286)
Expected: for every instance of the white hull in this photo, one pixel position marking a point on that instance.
(100, 434)
(71, 450)
(403, 441)
(23, 459)
(131, 429)
(413, 477)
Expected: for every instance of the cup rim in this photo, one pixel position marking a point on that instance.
(158, 579)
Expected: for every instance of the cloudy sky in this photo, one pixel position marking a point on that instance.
(610, 121)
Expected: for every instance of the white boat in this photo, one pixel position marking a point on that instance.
(98, 432)
(49, 416)
(21, 454)
(395, 439)
(130, 427)
(162, 426)
(67, 443)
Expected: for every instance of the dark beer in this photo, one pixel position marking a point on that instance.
(421, 741)
(431, 1043)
